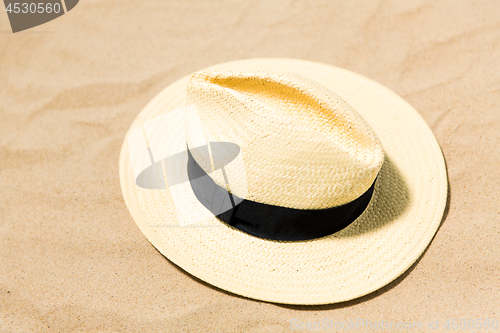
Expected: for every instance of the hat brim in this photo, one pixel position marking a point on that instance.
(390, 235)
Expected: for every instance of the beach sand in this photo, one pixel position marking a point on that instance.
(72, 258)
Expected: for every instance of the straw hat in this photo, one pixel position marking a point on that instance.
(284, 180)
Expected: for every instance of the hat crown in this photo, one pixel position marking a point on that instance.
(302, 146)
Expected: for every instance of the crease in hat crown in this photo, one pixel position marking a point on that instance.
(302, 146)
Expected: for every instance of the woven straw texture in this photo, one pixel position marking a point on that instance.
(302, 146)
(399, 223)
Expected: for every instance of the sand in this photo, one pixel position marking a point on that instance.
(72, 258)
